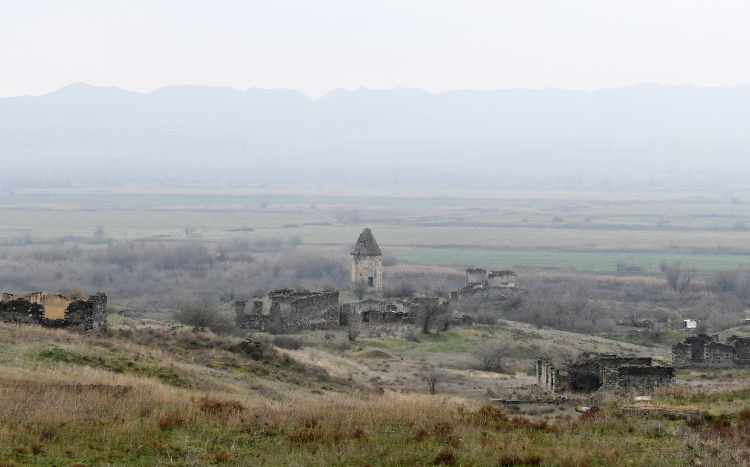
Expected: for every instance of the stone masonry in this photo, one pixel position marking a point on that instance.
(484, 284)
(87, 314)
(367, 262)
(605, 373)
(704, 351)
(285, 310)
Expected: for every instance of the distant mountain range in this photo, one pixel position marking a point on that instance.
(646, 135)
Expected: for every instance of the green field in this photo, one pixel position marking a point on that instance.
(580, 231)
(595, 262)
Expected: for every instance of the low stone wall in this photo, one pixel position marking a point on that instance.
(643, 379)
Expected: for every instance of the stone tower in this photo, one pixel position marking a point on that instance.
(367, 262)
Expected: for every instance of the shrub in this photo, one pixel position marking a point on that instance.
(288, 342)
(170, 420)
(204, 315)
(744, 415)
(446, 457)
(219, 407)
(36, 448)
(403, 290)
(489, 356)
(512, 460)
(223, 456)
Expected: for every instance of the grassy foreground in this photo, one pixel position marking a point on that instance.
(144, 397)
(145, 425)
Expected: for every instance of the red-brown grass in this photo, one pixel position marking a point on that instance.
(171, 420)
(446, 457)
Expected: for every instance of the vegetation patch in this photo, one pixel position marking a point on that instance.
(111, 360)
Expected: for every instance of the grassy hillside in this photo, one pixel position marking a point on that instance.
(150, 393)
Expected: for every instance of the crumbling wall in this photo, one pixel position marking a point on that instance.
(741, 350)
(643, 379)
(87, 314)
(290, 311)
(483, 285)
(717, 355)
(20, 310)
(608, 373)
(547, 376)
(476, 276)
(704, 351)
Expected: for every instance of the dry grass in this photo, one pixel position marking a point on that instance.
(60, 413)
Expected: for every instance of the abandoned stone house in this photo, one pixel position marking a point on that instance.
(367, 262)
(605, 373)
(86, 314)
(485, 284)
(399, 311)
(285, 310)
(704, 351)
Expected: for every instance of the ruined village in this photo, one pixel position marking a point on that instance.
(289, 319)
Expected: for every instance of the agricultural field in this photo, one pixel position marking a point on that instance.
(580, 232)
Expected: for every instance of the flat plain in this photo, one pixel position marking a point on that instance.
(583, 232)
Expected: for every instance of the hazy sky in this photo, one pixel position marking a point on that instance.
(317, 46)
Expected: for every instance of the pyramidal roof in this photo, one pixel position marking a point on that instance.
(366, 245)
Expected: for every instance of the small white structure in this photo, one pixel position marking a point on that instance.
(690, 323)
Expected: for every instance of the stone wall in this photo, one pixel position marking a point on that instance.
(741, 350)
(398, 311)
(288, 311)
(642, 379)
(606, 373)
(364, 267)
(547, 376)
(87, 314)
(704, 351)
(476, 276)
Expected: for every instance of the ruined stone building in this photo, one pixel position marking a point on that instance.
(87, 314)
(367, 262)
(704, 351)
(487, 285)
(285, 310)
(397, 311)
(605, 373)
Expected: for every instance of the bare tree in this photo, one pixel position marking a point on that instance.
(352, 333)
(687, 276)
(635, 315)
(433, 376)
(204, 315)
(428, 315)
(359, 289)
(743, 284)
(490, 355)
(678, 278)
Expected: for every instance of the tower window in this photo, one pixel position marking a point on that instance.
(369, 281)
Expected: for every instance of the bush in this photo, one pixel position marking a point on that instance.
(446, 457)
(205, 315)
(489, 356)
(403, 290)
(171, 420)
(288, 342)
